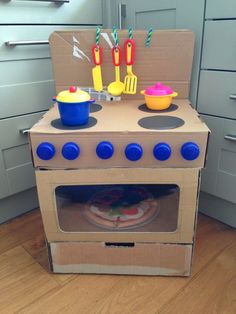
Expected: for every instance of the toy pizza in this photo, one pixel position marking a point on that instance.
(121, 207)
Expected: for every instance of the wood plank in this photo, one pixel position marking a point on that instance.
(22, 280)
(20, 230)
(154, 292)
(212, 291)
(79, 296)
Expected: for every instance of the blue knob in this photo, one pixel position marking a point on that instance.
(190, 151)
(133, 152)
(70, 151)
(162, 151)
(45, 151)
(105, 150)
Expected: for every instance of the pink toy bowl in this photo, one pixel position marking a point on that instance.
(158, 97)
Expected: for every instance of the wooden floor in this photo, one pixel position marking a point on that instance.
(27, 287)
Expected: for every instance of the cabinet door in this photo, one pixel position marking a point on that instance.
(16, 170)
(165, 14)
(219, 177)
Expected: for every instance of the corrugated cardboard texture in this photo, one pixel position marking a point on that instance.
(186, 179)
(167, 59)
(142, 259)
(117, 123)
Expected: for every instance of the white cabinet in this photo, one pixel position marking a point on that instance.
(27, 86)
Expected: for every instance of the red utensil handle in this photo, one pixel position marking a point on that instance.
(97, 54)
(116, 55)
(129, 51)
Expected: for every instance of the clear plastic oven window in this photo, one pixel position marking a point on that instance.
(123, 207)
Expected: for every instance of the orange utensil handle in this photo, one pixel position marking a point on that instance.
(116, 55)
(97, 54)
(129, 51)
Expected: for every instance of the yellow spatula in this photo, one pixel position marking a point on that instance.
(96, 71)
(130, 79)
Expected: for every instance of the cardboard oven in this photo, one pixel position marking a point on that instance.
(122, 215)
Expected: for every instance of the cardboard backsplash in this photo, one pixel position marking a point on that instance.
(168, 58)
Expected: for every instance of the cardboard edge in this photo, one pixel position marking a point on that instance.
(50, 262)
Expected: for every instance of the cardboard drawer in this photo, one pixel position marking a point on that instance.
(216, 9)
(139, 259)
(49, 12)
(219, 46)
(16, 170)
(219, 177)
(217, 93)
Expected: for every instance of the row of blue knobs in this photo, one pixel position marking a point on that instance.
(105, 150)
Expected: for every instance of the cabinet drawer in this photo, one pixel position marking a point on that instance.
(219, 177)
(216, 9)
(29, 90)
(49, 12)
(216, 92)
(219, 45)
(19, 34)
(16, 170)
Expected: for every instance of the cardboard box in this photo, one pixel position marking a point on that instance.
(164, 245)
(110, 258)
(174, 224)
(168, 58)
(118, 124)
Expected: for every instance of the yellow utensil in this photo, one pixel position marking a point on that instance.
(96, 71)
(130, 79)
(116, 88)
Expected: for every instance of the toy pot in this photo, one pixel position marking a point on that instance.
(74, 106)
(158, 97)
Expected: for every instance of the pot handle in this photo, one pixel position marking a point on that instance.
(54, 98)
(174, 94)
(142, 92)
(92, 100)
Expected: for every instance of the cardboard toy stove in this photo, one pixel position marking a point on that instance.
(118, 215)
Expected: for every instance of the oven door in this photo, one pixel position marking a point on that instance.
(119, 205)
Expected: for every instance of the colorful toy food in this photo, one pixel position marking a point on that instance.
(158, 97)
(73, 105)
(122, 207)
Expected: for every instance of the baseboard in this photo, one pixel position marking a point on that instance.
(18, 204)
(218, 208)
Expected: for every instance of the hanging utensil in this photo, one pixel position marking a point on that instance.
(130, 81)
(116, 88)
(96, 71)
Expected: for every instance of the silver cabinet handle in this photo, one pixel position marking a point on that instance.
(55, 1)
(24, 131)
(26, 42)
(232, 96)
(121, 14)
(230, 137)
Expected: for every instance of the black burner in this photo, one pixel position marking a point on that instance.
(144, 108)
(58, 125)
(160, 122)
(95, 108)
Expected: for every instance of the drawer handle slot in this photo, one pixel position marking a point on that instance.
(119, 244)
(26, 43)
(24, 131)
(232, 96)
(230, 137)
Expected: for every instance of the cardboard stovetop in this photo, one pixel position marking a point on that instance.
(168, 58)
(124, 116)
